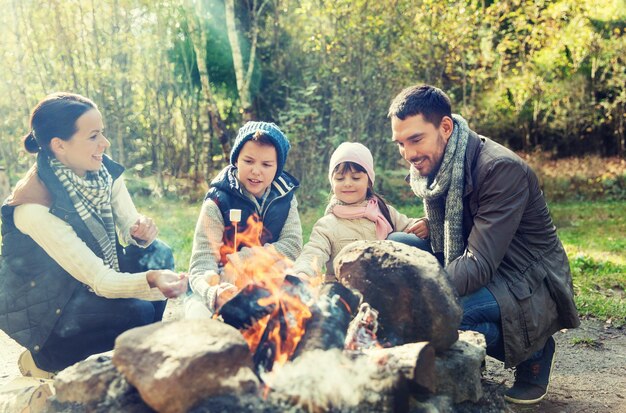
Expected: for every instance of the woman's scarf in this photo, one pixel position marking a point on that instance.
(370, 210)
(91, 196)
(443, 197)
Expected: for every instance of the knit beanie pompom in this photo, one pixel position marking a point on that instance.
(352, 152)
(278, 138)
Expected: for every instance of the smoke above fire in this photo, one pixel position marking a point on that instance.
(322, 379)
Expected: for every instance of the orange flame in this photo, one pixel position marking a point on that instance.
(265, 266)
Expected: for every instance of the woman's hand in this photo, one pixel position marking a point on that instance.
(144, 230)
(170, 283)
(420, 228)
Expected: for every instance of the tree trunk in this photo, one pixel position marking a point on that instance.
(243, 79)
(211, 119)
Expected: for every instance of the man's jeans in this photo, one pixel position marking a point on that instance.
(481, 313)
(89, 323)
(410, 239)
(415, 241)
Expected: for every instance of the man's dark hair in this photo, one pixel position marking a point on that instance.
(429, 101)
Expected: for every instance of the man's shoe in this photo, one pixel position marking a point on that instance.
(28, 368)
(532, 377)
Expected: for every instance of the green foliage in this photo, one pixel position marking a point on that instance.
(593, 236)
(586, 342)
(176, 221)
(545, 75)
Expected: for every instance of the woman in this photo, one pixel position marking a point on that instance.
(67, 286)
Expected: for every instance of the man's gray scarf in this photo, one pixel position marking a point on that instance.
(91, 197)
(443, 197)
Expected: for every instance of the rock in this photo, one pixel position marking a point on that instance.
(177, 364)
(26, 395)
(409, 289)
(95, 385)
(434, 404)
(86, 382)
(458, 368)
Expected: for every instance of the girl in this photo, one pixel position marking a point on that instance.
(67, 286)
(355, 212)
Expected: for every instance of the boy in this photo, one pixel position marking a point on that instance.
(255, 184)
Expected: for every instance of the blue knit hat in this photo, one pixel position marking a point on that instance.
(280, 141)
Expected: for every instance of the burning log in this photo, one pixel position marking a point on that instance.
(332, 313)
(244, 309)
(362, 329)
(271, 321)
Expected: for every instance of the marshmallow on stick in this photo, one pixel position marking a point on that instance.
(235, 218)
(235, 215)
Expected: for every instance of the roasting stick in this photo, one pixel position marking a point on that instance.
(235, 218)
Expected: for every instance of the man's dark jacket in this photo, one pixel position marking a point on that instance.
(512, 248)
(34, 289)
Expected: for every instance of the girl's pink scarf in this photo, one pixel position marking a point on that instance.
(370, 211)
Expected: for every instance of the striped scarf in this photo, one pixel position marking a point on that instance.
(91, 197)
(443, 197)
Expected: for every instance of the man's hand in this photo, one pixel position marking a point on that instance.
(171, 284)
(144, 230)
(420, 228)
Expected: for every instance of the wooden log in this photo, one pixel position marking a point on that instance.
(332, 313)
(244, 309)
(414, 361)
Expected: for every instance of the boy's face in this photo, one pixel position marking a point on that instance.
(256, 167)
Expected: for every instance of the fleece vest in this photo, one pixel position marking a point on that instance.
(227, 193)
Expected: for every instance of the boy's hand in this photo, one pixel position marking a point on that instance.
(420, 228)
(144, 230)
(224, 293)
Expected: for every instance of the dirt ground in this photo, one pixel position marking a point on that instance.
(589, 377)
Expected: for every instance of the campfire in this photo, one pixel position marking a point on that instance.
(279, 315)
(382, 339)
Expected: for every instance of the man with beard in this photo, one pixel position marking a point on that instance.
(491, 230)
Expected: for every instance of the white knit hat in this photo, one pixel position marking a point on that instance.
(352, 152)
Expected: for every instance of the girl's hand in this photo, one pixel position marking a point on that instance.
(420, 228)
(170, 283)
(144, 230)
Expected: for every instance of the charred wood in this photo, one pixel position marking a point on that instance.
(332, 313)
(244, 309)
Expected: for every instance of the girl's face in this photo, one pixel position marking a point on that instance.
(256, 167)
(350, 187)
(83, 151)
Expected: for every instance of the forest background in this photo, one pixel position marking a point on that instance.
(175, 79)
